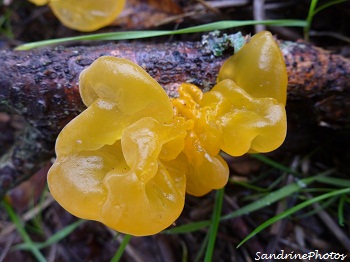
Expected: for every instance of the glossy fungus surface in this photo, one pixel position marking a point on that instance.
(129, 159)
(87, 15)
(39, 2)
(258, 68)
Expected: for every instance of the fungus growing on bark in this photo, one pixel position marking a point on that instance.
(129, 159)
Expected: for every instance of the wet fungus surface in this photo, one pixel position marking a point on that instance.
(130, 158)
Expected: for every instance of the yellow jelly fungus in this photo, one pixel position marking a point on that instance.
(131, 156)
(39, 2)
(258, 68)
(84, 15)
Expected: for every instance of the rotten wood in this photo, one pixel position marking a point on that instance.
(42, 87)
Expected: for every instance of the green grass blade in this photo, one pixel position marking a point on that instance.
(64, 232)
(146, 34)
(126, 35)
(273, 163)
(334, 181)
(309, 18)
(263, 202)
(26, 238)
(322, 206)
(188, 228)
(214, 225)
(121, 248)
(184, 250)
(250, 186)
(272, 197)
(220, 25)
(61, 234)
(201, 251)
(326, 5)
(313, 11)
(341, 210)
(293, 210)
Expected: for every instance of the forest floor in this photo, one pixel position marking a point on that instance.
(320, 228)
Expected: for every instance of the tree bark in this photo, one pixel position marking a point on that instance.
(42, 87)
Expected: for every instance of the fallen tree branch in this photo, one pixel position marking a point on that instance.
(42, 87)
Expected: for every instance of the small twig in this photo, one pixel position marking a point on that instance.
(228, 3)
(332, 226)
(52, 253)
(331, 34)
(259, 14)
(209, 6)
(6, 248)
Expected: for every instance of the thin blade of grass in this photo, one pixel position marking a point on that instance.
(121, 248)
(201, 251)
(309, 18)
(275, 196)
(64, 232)
(263, 202)
(26, 238)
(214, 225)
(334, 181)
(188, 228)
(326, 5)
(184, 249)
(250, 186)
(273, 163)
(322, 206)
(127, 35)
(341, 210)
(220, 25)
(293, 210)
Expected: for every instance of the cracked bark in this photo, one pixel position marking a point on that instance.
(42, 87)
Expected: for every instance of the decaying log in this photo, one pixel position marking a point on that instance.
(42, 87)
